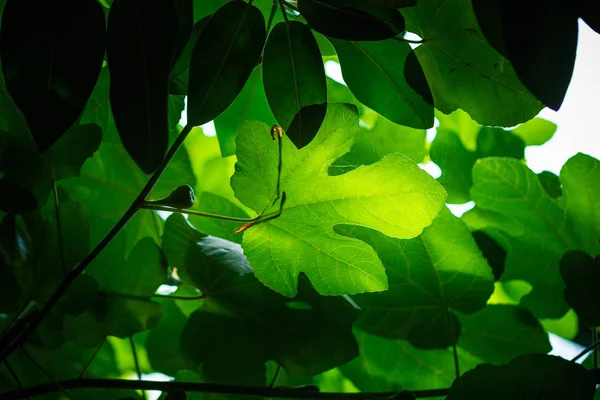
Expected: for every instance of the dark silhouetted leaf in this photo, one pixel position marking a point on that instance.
(535, 377)
(551, 183)
(540, 42)
(181, 197)
(180, 75)
(374, 72)
(303, 341)
(499, 333)
(492, 251)
(223, 58)
(394, 3)
(581, 274)
(52, 52)
(429, 276)
(142, 41)
(23, 171)
(294, 80)
(67, 155)
(354, 19)
(462, 69)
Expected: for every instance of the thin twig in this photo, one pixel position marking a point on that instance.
(595, 351)
(16, 339)
(179, 297)
(91, 360)
(275, 375)
(41, 368)
(149, 206)
(282, 8)
(13, 373)
(61, 245)
(272, 15)
(136, 362)
(583, 352)
(169, 386)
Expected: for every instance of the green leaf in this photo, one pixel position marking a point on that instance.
(385, 138)
(67, 155)
(294, 80)
(540, 43)
(222, 59)
(499, 333)
(429, 276)
(25, 181)
(551, 184)
(399, 366)
(354, 19)
(394, 3)
(462, 69)
(510, 190)
(533, 376)
(456, 162)
(492, 252)
(164, 341)
(141, 46)
(462, 124)
(116, 179)
(581, 274)
(250, 104)
(535, 132)
(50, 72)
(374, 72)
(334, 264)
(304, 341)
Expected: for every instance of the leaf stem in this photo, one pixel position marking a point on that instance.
(595, 340)
(91, 360)
(179, 297)
(583, 352)
(168, 386)
(15, 339)
(149, 206)
(136, 362)
(272, 15)
(43, 370)
(61, 245)
(282, 8)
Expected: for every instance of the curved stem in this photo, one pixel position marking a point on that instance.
(61, 245)
(149, 206)
(284, 393)
(179, 297)
(12, 340)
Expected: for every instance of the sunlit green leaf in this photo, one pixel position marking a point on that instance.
(536, 131)
(334, 264)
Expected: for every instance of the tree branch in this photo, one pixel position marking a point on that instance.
(282, 392)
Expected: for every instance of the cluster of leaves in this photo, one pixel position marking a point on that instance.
(350, 273)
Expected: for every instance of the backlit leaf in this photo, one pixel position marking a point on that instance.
(374, 72)
(429, 277)
(317, 202)
(462, 69)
